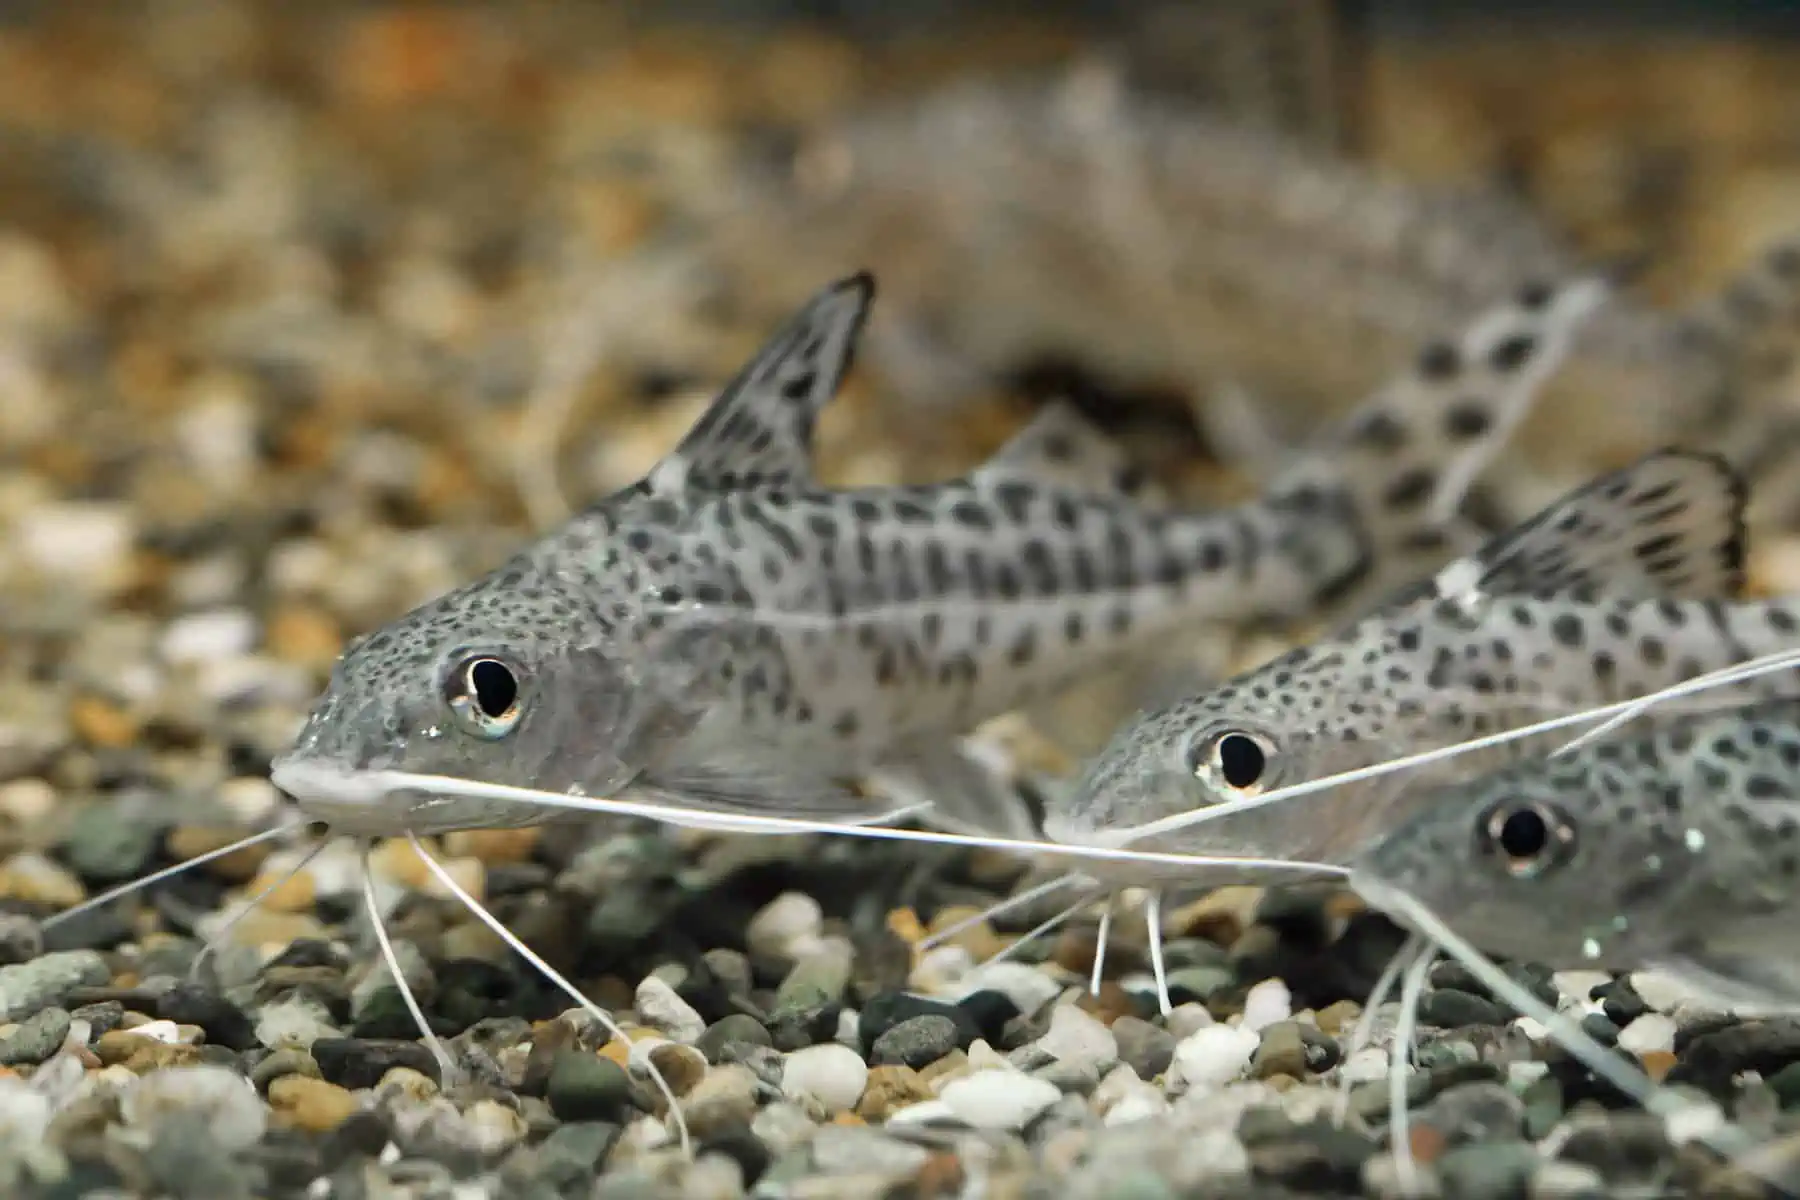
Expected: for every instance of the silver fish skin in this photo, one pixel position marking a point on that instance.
(1676, 847)
(1166, 240)
(1623, 587)
(730, 635)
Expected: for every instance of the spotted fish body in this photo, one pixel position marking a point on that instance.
(1165, 241)
(1676, 847)
(727, 634)
(1623, 587)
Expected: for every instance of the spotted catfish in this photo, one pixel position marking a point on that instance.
(729, 635)
(1676, 847)
(1625, 586)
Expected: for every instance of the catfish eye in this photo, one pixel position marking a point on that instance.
(1238, 760)
(483, 693)
(1528, 837)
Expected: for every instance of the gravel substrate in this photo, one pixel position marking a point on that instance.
(278, 360)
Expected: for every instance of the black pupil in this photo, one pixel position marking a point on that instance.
(493, 686)
(1523, 834)
(1241, 760)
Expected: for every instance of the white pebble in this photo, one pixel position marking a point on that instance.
(1267, 1003)
(664, 1011)
(27, 800)
(209, 636)
(1578, 984)
(1365, 1066)
(249, 797)
(1666, 993)
(24, 1112)
(81, 540)
(1555, 1180)
(919, 1114)
(234, 1114)
(998, 1099)
(166, 1032)
(1187, 1019)
(1076, 1037)
(789, 919)
(1140, 1104)
(831, 1075)
(1027, 987)
(1521, 1073)
(1694, 1120)
(1534, 1030)
(1652, 1031)
(1213, 1056)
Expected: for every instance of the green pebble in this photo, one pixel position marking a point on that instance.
(586, 1087)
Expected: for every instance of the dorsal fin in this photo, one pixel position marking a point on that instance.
(1671, 525)
(1060, 446)
(760, 430)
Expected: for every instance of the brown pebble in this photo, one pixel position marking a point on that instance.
(1658, 1063)
(157, 1056)
(493, 845)
(1337, 1018)
(1112, 1003)
(1075, 949)
(978, 939)
(681, 1066)
(191, 841)
(1220, 916)
(313, 1105)
(890, 1088)
(102, 723)
(935, 1075)
(941, 1176)
(303, 635)
(905, 924)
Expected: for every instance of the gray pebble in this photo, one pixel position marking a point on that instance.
(21, 940)
(1144, 1047)
(112, 842)
(1281, 1052)
(818, 980)
(736, 1029)
(28, 988)
(187, 1161)
(1488, 1170)
(915, 1043)
(1448, 1008)
(566, 1161)
(1477, 1112)
(1204, 981)
(36, 1039)
(286, 1061)
(846, 1150)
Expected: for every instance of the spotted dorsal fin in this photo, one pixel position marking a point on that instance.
(1061, 448)
(759, 432)
(1671, 525)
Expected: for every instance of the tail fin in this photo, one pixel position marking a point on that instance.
(1404, 460)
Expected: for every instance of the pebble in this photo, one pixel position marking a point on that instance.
(1449, 1008)
(205, 636)
(659, 1007)
(1487, 1170)
(1566, 1181)
(84, 542)
(587, 1087)
(832, 1076)
(844, 1150)
(1145, 1048)
(998, 1099)
(1651, 1032)
(36, 1038)
(1029, 988)
(1281, 1051)
(1265, 1004)
(737, 1029)
(1213, 1056)
(1076, 1038)
(890, 1088)
(361, 1062)
(723, 1099)
(29, 987)
(306, 1102)
(915, 1043)
(222, 1098)
(786, 927)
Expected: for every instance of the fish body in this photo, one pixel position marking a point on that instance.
(1156, 241)
(1623, 587)
(1675, 847)
(730, 635)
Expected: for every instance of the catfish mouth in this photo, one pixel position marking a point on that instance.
(361, 802)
